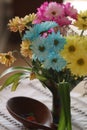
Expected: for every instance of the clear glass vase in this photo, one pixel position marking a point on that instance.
(61, 110)
(56, 104)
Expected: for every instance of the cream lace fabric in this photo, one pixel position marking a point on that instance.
(35, 90)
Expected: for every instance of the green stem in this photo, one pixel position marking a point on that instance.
(66, 110)
(28, 63)
(20, 34)
(61, 125)
(68, 107)
(82, 33)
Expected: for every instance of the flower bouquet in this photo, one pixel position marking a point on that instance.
(56, 55)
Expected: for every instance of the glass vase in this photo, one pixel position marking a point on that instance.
(56, 104)
(61, 110)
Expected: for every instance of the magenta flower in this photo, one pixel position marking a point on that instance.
(40, 13)
(63, 21)
(53, 11)
(70, 11)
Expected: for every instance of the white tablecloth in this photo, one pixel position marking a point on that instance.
(35, 90)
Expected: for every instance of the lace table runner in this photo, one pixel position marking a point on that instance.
(33, 89)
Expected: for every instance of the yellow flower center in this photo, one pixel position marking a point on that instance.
(80, 61)
(71, 48)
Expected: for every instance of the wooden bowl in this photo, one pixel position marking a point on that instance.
(19, 107)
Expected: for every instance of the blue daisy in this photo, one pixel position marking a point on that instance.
(55, 61)
(40, 48)
(35, 31)
(56, 41)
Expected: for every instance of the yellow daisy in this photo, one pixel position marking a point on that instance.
(16, 24)
(81, 21)
(7, 58)
(71, 47)
(84, 43)
(29, 18)
(78, 66)
(25, 49)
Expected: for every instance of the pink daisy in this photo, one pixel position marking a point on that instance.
(63, 21)
(40, 13)
(53, 11)
(70, 11)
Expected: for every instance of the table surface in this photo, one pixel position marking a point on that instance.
(33, 89)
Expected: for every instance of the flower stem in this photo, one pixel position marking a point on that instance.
(28, 63)
(65, 116)
(82, 33)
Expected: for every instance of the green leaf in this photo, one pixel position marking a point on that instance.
(13, 69)
(41, 78)
(11, 79)
(15, 85)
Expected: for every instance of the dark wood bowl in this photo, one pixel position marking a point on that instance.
(18, 107)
